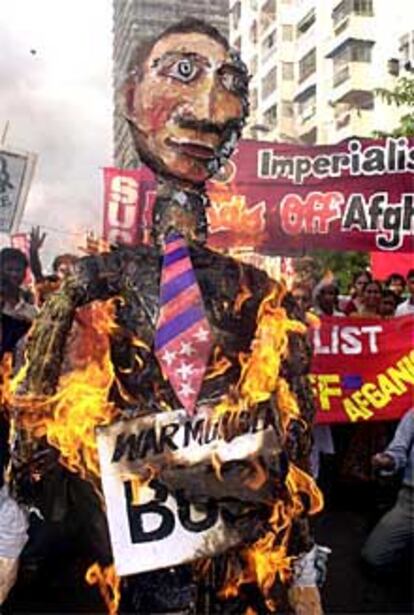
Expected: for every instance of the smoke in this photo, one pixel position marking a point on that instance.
(55, 91)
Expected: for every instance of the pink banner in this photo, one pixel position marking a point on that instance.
(288, 199)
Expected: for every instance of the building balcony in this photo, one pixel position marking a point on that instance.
(353, 83)
(354, 26)
(307, 84)
(359, 123)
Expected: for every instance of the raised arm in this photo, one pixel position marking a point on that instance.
(96, 277)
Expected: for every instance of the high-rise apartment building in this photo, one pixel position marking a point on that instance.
(136, 21)
(317, 63)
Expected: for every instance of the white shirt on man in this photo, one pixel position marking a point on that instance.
(406, 307)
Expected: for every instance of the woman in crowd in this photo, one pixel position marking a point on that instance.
(371, 299)
(359, 281)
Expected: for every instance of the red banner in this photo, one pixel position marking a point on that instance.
(383, 265)
(288, 199)
(363, 369)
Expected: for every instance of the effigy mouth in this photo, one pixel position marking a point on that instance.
(193, 148)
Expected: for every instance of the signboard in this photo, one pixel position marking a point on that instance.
(16, 172)
(288, 199)
(363, 369)
(149, 527)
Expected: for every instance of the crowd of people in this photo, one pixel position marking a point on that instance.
(367, 298)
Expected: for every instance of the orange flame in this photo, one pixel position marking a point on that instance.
(108, 583)
(5, 380)
(267, 559)
(243, 295)
(68, 418)
(220, 364)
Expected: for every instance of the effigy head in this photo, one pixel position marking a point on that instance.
(186, 100)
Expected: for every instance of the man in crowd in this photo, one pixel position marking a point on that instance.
(392, 537)
(325, 297)
(62, 266)
(396, 283)
(17, 312)
(407, 307)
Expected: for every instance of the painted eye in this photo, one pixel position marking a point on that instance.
(184, 70)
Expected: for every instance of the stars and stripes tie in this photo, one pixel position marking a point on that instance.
(183, 339)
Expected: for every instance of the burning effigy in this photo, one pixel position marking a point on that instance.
(175, 379)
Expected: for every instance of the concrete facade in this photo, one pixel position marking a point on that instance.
(136, 21)
(316, 65)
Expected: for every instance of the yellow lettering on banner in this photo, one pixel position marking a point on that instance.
(375, 397)
(399, 375)
(325, 386)
(356, 412)
(408, 363)
(388, 387)
(327, 389)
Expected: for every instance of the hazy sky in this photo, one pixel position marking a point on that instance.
(56, 92)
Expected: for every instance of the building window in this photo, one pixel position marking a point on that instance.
(253, 66)
(287, 108)
(287, 33)
(268, 45)
(307, 65)
(254, 100)
(360, 51)
(359, 7)
(253, 33)
(307, 108)
(236, 15)
(270, 116)
(341, 11)
(406, 49)
(287, 71)
(269, 83)
(363, 7)
(306, 23)
(267, 14)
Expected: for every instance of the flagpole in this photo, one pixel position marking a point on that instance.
(5, 131)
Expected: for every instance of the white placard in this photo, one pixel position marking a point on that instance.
(157, 531)
(16, 172)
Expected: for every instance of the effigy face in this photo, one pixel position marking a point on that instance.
(187, 105)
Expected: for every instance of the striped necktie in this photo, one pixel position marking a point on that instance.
(183, 338)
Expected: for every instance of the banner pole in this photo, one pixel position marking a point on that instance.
(5, 131)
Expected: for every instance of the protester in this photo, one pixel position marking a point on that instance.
(16, 316)
(371, 299)
(303, 297)
(407, 307)
(325, 297)
(359, 281)
(63, 265)
(392, 537)
(388, 304)
(396, 283)
(13, 299)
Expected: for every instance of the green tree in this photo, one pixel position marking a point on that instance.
(311, 268)
(402, 94)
